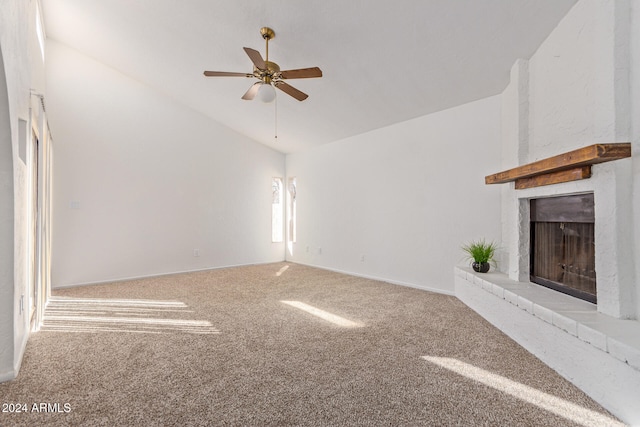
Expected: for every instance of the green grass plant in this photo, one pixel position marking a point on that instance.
(480, 251)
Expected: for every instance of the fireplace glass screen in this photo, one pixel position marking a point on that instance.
(563, 245)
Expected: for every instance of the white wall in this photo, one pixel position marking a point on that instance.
(140, 181)
(634, 82)
(22, 72)
(574, 92)
(579, 80)
(6, 230)
(405, 197)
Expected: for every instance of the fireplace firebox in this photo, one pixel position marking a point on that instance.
(563, 245)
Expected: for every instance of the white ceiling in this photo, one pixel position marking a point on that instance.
(383, 61)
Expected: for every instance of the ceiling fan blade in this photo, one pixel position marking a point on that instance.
(256, 58)
(301, 73)
(226, 74)
(290, 90)
(252, 92)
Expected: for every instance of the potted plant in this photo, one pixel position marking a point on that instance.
(481, 253)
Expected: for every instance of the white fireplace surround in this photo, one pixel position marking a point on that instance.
(613, 252)
(596, 347)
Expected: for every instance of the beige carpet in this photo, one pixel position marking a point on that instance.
(222, 348)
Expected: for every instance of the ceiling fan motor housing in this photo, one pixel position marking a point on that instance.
(268, 74)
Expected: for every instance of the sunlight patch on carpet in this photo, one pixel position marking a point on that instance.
(120, 315)
(548, 402)
(282, 270)
(325, 315)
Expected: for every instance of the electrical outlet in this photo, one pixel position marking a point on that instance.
(361, 258)
(319, 251)
(196, 252)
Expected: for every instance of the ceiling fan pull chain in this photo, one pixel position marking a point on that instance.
(276, 118)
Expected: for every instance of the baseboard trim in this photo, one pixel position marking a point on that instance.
(8, 376)
(13, 374)
(380, 279)
(20, 356)
(148, 276)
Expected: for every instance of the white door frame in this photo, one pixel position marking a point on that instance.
(40, 214)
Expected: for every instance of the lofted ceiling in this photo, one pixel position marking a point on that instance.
(383, 61)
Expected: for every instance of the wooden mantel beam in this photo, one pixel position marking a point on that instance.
(550, 170)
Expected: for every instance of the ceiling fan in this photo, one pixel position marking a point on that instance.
(269, 74)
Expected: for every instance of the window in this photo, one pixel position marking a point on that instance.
(40, 30)
(291, 209)
(277, 217)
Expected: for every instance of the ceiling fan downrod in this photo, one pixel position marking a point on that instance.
(267, 34)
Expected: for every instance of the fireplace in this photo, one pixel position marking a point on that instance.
(562, 252)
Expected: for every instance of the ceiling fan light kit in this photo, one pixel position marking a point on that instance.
(269, 74)
(266, 93)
